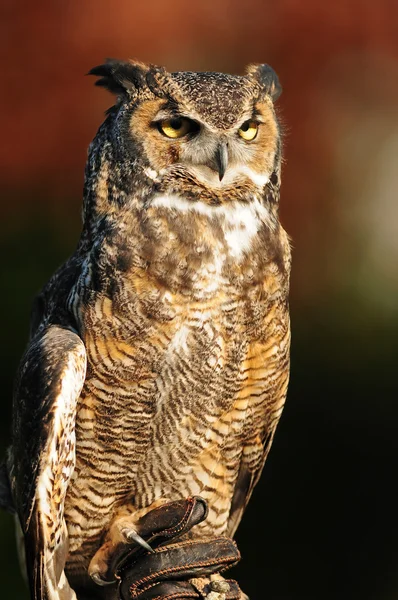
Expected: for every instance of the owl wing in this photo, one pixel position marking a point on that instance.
(246, 481)
(49, 382)
(267, 374)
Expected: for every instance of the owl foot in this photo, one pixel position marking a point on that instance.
(121, 537)
(182, 569)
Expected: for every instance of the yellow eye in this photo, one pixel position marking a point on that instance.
(176, 128)
(248, 130)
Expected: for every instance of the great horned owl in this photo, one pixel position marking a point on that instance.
(159, 355)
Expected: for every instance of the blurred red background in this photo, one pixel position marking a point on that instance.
(322, 523)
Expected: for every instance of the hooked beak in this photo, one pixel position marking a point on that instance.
(221, 159)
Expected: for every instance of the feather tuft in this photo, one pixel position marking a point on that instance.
(120, 77)
(267, 79)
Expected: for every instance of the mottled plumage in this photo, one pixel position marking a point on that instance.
(162, 345)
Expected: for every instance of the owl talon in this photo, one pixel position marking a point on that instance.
(96, 577)
(132, 537)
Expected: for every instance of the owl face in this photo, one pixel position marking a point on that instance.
(207, 136)
(177, 138)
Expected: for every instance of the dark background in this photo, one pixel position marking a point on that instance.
(322, 523)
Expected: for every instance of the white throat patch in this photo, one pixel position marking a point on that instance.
(240, 222)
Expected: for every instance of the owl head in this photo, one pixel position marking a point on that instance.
(206, 137)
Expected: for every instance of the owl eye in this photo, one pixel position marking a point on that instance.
(248, 130)
(176, 128)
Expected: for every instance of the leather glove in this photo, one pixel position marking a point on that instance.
(165, 573)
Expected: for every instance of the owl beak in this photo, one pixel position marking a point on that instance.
(222, 159)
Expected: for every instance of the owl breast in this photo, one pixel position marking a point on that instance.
(184, 350)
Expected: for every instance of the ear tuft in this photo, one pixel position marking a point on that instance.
(119, 76)
(267, 79)
(157, 78)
